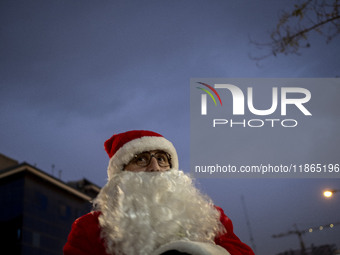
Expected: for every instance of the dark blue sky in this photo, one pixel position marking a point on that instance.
(75, 72)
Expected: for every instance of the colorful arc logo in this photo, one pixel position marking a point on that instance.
(209, 93)
(204, 97)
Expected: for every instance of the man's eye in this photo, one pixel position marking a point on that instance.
(141, 159)
(161, 159)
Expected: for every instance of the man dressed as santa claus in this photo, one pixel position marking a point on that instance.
(150, 207)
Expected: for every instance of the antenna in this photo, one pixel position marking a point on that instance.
(52, 166)
(59, 174)
(248, 224)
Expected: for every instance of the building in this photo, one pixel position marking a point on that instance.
(38, 209)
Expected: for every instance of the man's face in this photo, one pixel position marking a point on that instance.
(150, 161)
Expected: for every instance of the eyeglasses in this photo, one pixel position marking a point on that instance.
(143, 159)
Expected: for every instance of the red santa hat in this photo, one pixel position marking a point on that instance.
(122, 147)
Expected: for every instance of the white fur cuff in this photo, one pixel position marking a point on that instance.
(191, 247)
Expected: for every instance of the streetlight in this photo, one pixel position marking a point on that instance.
(329, 192)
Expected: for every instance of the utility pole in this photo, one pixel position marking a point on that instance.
(295, 232)
(299, 233)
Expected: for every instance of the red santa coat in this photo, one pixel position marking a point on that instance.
(84, 238)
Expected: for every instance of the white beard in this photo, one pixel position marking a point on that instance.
(142, 211)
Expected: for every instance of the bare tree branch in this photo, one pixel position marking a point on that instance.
(294, 27)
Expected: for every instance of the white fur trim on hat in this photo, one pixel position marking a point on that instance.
(145, 143)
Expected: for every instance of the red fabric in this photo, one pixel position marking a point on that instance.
(117, 141)
(84, 238)
(229, 240)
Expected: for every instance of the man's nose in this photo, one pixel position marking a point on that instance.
(153, 166)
